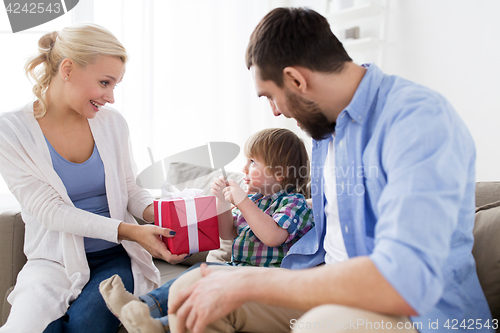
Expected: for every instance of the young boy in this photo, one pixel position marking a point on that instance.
(273, 214)
(266, 221)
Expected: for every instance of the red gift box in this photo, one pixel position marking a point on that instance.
(194, 220)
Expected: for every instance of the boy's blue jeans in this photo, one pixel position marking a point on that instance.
(88, 312)
(157, 300)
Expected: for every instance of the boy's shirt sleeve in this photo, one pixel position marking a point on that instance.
(295, 216)
(236, 214)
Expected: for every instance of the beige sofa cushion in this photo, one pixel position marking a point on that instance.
(12, 257)
(486, 251)
(487, 192)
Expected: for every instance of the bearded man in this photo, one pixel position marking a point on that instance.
(393, 181)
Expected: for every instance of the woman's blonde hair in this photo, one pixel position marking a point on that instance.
(285, 154)
(81, 43)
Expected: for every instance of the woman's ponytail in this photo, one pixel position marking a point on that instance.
(42, 68)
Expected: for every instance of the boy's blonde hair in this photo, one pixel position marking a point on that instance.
(82, 43)
(285, 154)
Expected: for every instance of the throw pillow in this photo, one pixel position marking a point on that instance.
(183, 175)
(485, 191)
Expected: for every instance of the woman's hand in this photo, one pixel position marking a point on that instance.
(148, 236)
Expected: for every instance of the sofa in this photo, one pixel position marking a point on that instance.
(486, 248)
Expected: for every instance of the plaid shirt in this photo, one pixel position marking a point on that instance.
(289, 210)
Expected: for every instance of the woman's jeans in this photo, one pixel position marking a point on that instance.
(157, 300)
(88, 313)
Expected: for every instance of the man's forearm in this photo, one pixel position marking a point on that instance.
(356, 283)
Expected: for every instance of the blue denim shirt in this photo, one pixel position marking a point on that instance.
(405, 171)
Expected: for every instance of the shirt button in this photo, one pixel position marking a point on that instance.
(353, 120)
(346, 229)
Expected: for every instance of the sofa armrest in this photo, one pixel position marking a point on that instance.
(12, 258)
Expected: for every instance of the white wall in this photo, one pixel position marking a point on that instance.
(453, 46)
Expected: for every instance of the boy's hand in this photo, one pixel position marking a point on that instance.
(217, 186)
(233, 193)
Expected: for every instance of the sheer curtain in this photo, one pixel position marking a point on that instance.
(15, 88)
(186, 82)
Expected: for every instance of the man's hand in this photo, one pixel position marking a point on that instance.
(207, 300)
(148, 236)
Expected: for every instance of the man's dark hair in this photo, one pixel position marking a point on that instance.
(294, 37)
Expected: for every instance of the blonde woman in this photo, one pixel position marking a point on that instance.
(67, 160)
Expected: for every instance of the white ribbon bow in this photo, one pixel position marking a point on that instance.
(188, 195)
(185, 193)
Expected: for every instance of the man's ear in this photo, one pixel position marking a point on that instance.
(294, 79)
(66, 67)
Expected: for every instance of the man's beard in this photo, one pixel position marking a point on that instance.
(309, 116)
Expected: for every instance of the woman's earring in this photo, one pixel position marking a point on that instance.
(66, 78)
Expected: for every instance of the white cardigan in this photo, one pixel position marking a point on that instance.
(54, 227)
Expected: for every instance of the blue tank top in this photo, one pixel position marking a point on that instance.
(86, 188)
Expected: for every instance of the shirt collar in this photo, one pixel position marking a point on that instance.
(258, 196)
(360, 105)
